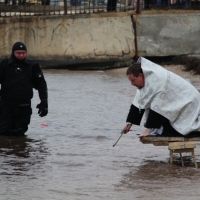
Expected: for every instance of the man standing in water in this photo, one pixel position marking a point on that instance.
(169, 103)
(18, 77)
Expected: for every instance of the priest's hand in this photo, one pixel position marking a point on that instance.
(127, 128)
(145, 133)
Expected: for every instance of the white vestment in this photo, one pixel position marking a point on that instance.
(169, 95)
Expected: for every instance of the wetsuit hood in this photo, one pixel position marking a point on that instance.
(18, 46)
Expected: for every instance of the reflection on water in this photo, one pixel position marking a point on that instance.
(73, 156)
(161, 179)
(19, 154)
(19, 146)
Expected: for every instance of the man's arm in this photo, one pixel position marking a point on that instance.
(39, 83)
(134, 117)
(2, 69)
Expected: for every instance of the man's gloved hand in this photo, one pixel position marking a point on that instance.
(43, 108)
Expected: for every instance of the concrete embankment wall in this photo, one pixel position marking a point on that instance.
(164, 34)
(58, 41)
(107, 38)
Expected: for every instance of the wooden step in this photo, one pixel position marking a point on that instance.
(181, 145)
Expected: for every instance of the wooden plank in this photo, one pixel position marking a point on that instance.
(181, 145)
(192, 139)
(162, 139)
(182, 150)
(160, 143)
(168, 139)
(146, 142)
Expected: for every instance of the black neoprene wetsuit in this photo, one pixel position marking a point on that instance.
(17, 79)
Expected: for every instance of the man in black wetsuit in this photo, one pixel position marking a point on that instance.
(18, 77)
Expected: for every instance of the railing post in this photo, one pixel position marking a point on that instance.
(111, 5)
(189, 4)
(138, 7)
(65, 6)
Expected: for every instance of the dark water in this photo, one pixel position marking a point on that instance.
(72, 157)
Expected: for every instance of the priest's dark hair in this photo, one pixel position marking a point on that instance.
(134, 69)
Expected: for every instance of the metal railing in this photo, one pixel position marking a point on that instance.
(10, 8)
(172, 4)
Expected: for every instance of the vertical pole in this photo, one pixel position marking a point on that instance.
(111, 5)
(195, 163)
(138, 7)
(65, 6)
(135, 35)
(171, 156)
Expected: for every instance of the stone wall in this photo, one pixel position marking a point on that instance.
(61, 41)
(168, 34)
(92, 41)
